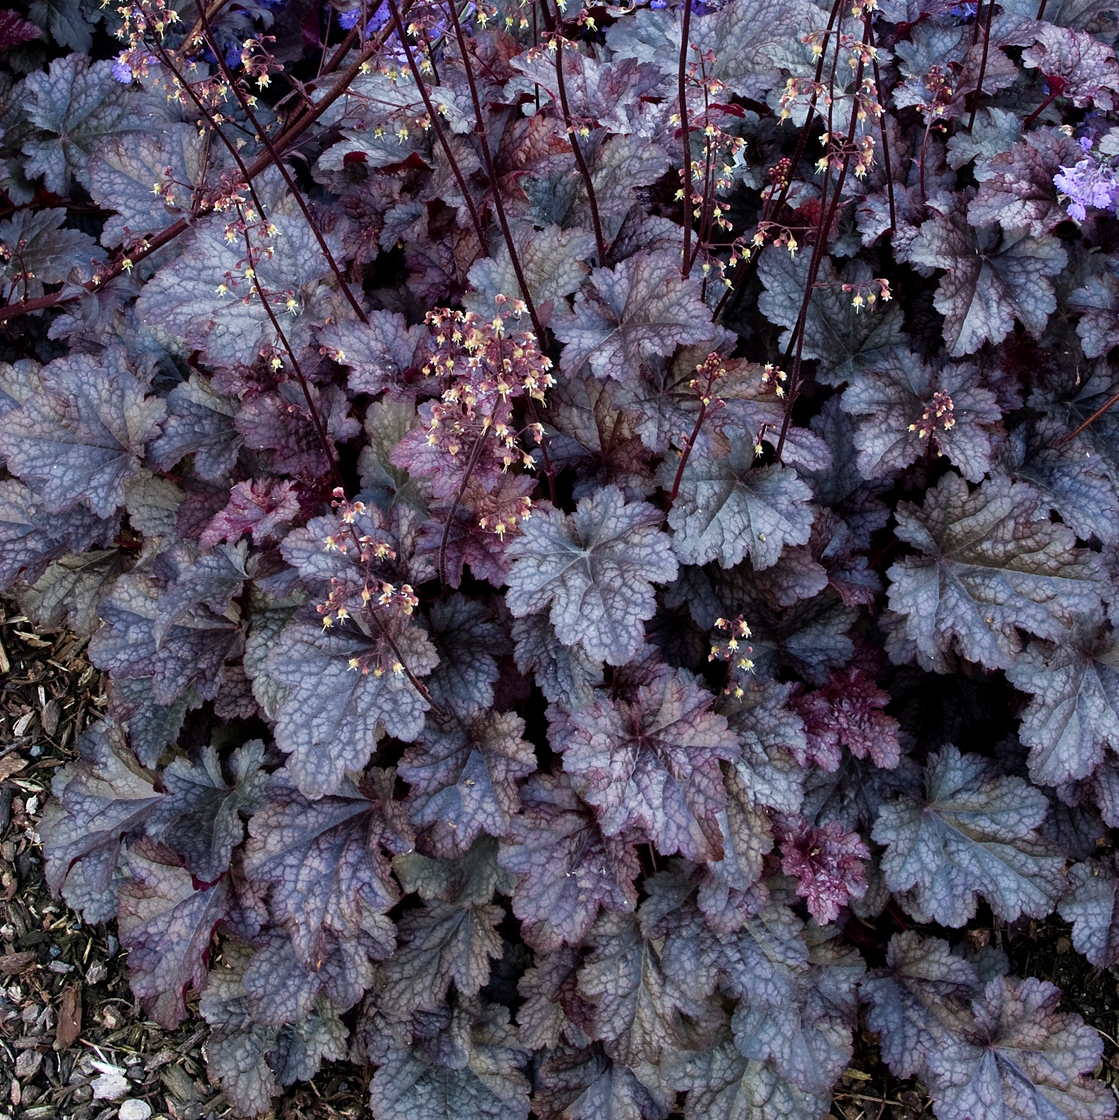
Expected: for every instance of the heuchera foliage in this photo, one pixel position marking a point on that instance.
(599, 525)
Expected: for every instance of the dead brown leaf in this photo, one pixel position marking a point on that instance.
(11, 764)
(14, 963)
(69, 1017)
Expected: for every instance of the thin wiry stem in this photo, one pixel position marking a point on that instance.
(770, 207)
(320, 430)
(471, 463)
(503, 221)
(982, 64)
(576, 147)
(869, 24)
(491, 175)
(1105, 407)
(167, 61)
(827, 217)
(155, 241)
(277, 159)
(682, 80)
(686, 451)
(316, 420)
(413, 680)
(441, 136)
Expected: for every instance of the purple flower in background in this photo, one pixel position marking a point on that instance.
(1087, 184)
(132, 64)
(348, 20)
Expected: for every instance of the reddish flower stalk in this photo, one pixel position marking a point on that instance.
(503, 221)
(553, 24)
(711, 370)
(772, 207)
(292, 186)
(1105, 407)
(685, 32)
(316, 420)
(983, 65)
(471, 463)
(869, 25)
(827, 217)
(148, 245)
(491, 175)
(440, 135)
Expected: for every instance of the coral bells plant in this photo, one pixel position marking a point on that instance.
(598, 526)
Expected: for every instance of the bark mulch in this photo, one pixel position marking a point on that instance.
(70, 1030)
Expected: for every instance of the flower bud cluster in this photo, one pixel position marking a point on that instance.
(139, 19)
(774, 378)
(362, 593)
(937, 416)
(867, 294)
(729, 645)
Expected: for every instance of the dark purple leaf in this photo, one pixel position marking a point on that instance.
(567, 867)
(166, 923)
(652, 763)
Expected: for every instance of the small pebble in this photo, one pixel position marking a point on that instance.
(134, 1110)
(28, 1063)
(111, 1085)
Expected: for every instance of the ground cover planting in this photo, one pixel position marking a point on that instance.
(596, 530)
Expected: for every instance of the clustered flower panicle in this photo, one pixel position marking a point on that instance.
(469, 437)
(362, 592)
(489, 370)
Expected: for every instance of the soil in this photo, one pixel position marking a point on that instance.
(70, 1029)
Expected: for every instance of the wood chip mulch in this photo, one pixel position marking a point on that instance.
(74, 1044)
